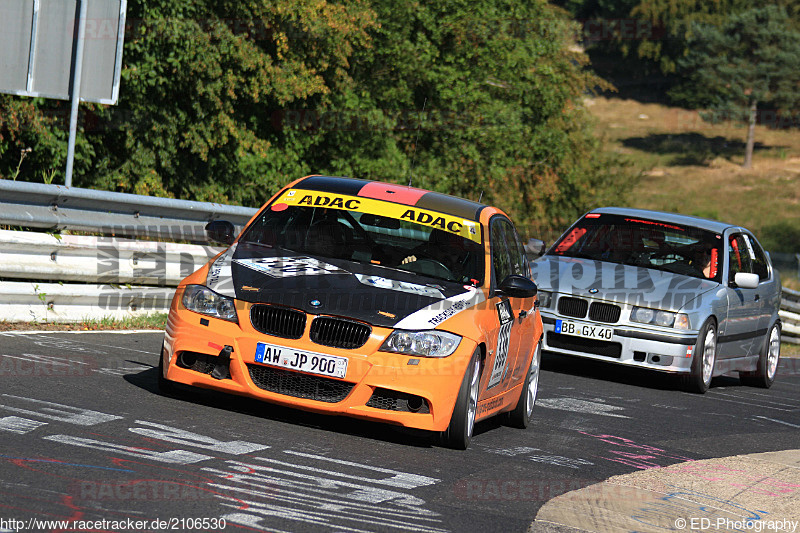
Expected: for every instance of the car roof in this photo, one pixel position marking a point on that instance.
(400, 194)
(673, 218)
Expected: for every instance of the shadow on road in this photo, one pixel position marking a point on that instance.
(616, 373)
(147, 380)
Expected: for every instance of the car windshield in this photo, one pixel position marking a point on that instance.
(631, 240)
(368, 238)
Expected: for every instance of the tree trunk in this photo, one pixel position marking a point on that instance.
(751, 136)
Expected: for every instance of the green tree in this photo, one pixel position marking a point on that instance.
(225, 100)
(32, 141)
(751, 59)
(481, 99)
(203, 83)
(658, 30)
(676, 18)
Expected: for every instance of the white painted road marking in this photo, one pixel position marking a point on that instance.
(581, 406)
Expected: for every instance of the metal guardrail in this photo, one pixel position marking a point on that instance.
(59, 258)
(36, 205)
(790, 316)
(121, 277)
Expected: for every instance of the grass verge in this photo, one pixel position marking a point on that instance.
(152, 321)
(693, 167)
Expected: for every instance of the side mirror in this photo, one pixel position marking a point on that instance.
(221, 231)
(746, 280)
(534, 248)
(517, 286)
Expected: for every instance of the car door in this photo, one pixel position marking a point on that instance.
(744, 305)
(514, 328)
(524, 310)
(767, 293)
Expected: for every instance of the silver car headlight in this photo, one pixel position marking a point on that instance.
(545, 298)
(203, 300)
(423, 343)
(665, 319)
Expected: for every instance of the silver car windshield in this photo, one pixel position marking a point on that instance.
(367, 238)
(644, 243)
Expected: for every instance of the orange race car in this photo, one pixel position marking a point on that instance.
(365, 299)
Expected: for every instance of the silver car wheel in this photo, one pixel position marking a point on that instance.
(773, 353)
(472, 405)
(709, 351)
(533, 382)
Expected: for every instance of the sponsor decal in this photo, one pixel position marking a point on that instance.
(427, 219)
(339, 202)
(287, 267)
(469, 229)
(490, 405)
(220, 279)
(749, 247)
(457, 306)
(501, 355)
(402, 286)
(248, 288)
(437, 312)
(504, 312)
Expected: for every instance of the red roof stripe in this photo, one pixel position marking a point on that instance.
(393, 193)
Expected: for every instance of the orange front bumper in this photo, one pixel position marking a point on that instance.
(436, 380)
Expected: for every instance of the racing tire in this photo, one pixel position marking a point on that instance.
(165, 386)
(520, 417)
(703, 360)
(768, 359)
(462, 423)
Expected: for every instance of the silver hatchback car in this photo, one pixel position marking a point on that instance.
(662, 291)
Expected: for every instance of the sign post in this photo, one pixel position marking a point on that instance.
(76, 90)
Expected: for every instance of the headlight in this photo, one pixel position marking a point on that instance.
(203, 300)
(545, 297)
(665, 319)
(422, 343)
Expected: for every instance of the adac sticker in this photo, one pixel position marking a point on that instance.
(469, 229)
(286, 267)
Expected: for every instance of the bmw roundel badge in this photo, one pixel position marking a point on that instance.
(316, 303)
(593, 291)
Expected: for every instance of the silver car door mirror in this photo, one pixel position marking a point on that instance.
(746, 280)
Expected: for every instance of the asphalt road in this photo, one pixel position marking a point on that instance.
(84, 435)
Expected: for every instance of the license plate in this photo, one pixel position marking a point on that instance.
(588, 331)
(301, 360)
